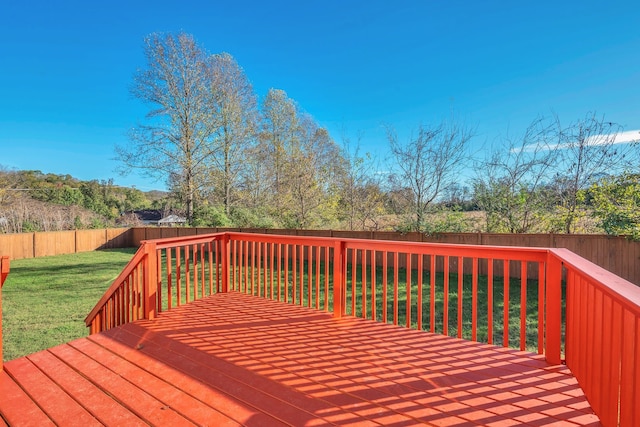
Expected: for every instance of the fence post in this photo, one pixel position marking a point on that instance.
(553, 326)
(150, 286)
(339, 262)
(4, 271)
(226, 243)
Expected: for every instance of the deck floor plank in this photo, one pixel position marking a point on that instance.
(135, 399)
(105, 409)
(159, 387)
(225, 403)
(17, 407)
(233, 359)
(225, 377)
(54, 401)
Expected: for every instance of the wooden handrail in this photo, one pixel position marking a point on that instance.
(131, 265)
(4, 272)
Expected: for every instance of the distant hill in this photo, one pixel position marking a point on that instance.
(34, 201)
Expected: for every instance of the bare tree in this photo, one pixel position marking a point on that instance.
(280, 132)
(233, 106)
(361, 198)
(427, 164)
(588, 151)
(176, 140)
(509, 186)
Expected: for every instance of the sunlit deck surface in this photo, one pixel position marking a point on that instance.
(232, 359)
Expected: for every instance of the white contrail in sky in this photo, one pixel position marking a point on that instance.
(628, 137)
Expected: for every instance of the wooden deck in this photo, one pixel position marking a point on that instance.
(232, 359)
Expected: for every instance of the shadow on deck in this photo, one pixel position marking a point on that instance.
(233, 359)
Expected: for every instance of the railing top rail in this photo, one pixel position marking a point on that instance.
(174, 242)
(624, 291)
(137, 257)
(280, 238)
(480, 251)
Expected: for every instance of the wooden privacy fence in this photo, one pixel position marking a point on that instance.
(599, 329)
(33, 245)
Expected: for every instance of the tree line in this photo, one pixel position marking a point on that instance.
(230, 158)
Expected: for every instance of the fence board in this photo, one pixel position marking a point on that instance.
(54, 243)
(30, 245)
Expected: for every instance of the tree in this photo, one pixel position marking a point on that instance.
(361, 198)
(312, 169)
(295, 169)
(616, 204)
(510, 186)
(427, 164)
(175, 143)
(280, 132)
(233, 106)
(588, 151)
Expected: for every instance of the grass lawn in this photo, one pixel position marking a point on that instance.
(45, 300)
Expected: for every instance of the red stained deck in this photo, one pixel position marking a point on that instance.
(232, 359)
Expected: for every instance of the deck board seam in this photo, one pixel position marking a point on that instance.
(235, 397)
(137, 365)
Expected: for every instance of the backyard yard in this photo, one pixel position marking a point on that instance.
(45, 300)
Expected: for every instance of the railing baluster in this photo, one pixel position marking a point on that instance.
(474, 299)
(385, 279)
(317, 261)
(354, 267)
(505, 307)
(541, 281)
(294, 273)
(419, 286)
(395, 287)
(326, 278)
(210, 261)
(279, 261)
(432, 293)
(490, 300)
(286, 272)
(272, 269)
(310, 276)
(158, 255)
(202, 269)
(408, 297)
(169, 277)
(363, 282)
(460, 294)
(374, 306)
(523, 305)
(445, 315)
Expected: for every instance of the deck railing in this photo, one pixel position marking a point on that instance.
(603, 338)
(509, 296)
(4, 272)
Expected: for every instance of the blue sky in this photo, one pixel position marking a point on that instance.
(356, 66)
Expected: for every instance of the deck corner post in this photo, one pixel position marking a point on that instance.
(150, 286)
(339, 263)
(553, 307)
(4, 272)
(226, 247)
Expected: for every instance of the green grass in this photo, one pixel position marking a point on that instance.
(45, 300)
